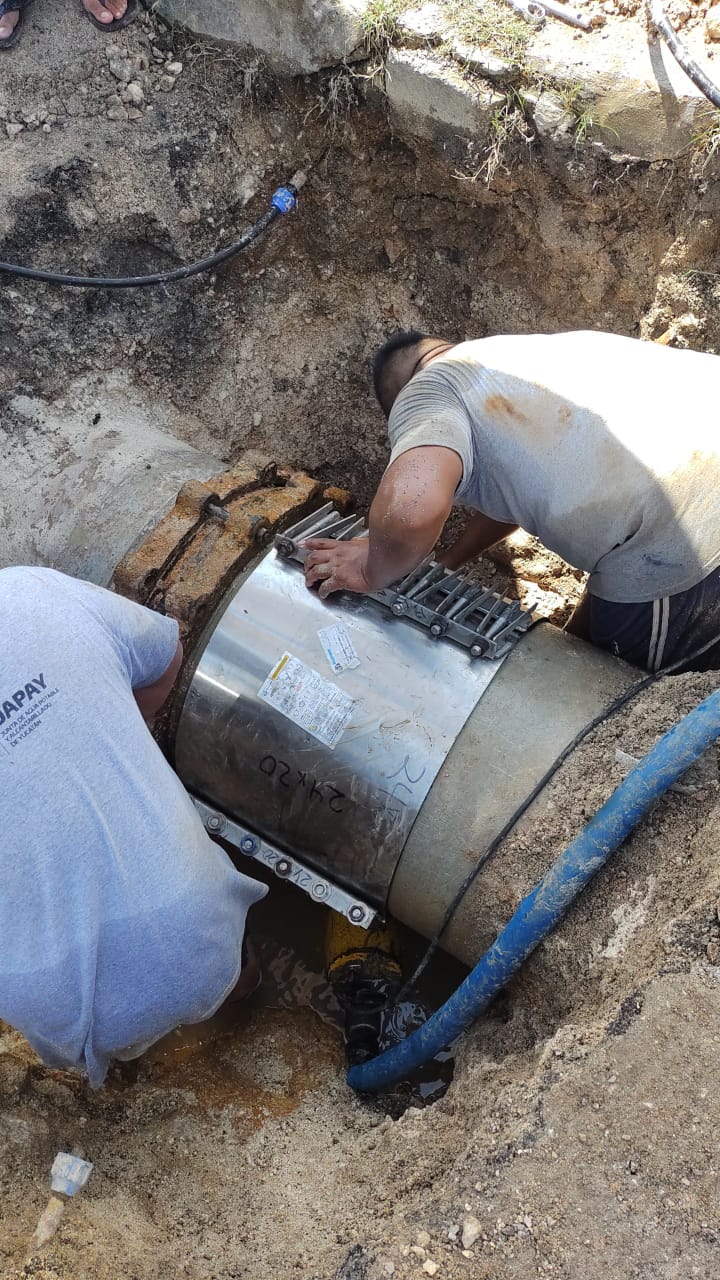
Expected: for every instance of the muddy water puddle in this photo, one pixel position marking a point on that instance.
(265, 1055)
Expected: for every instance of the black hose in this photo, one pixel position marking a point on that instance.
(283, 201)
(689, 65)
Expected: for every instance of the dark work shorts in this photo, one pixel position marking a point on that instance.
(663, 632)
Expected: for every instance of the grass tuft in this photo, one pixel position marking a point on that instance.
(706, 142)
(380, 24)
(490, 24)
(508, 126)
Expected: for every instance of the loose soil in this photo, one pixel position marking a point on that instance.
(579, 1134)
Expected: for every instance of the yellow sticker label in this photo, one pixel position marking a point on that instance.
(274, 674)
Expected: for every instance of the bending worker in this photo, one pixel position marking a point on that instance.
(119, 917)
(606, 448)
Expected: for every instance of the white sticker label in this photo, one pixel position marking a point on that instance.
(339, 648)
(308, 699)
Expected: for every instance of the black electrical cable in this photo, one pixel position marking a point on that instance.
(283, 201)
(547, 777)
(664, 28)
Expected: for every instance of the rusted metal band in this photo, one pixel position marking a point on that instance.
(188, 562)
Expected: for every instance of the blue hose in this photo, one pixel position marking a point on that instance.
(541, 910)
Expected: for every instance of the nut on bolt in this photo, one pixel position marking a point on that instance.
(356, 914)
(215, 823)
(283, 867)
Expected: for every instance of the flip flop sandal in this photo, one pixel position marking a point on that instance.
(15, 34)
(117, 24)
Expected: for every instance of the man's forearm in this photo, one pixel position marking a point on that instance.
(409, 510)
(479, 533)
(392, 556)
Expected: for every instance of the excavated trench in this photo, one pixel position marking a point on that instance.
(581, 1119)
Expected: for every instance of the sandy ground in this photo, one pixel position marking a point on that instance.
(579, 1135)
(579, 1131)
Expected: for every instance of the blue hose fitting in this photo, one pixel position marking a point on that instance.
(541, 910)
(284, 200)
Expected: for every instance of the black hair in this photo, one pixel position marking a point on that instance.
(398, 342)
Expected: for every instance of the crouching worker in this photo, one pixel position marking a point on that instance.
(604, 447)
(119, 917)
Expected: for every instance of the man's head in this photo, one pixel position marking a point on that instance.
(398, 359)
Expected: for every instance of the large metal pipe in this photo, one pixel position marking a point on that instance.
(83, 483)
(440, 748)
(439, 751)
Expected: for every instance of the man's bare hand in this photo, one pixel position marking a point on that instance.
(337, 566)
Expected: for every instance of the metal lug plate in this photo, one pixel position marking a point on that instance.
(285, 867)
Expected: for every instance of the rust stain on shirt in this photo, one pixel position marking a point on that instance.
(501, 405)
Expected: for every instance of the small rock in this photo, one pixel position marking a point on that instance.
(12, 130)
(120, 69)
(712, 23)
(166, 84)
(551, 117)
(712, 952)
(423, 1239)
(133, 94)
(55, 1092)
(486, 64)
(189, 216)
(84, 215)
(257, 419)
(22, 1133)
(394, 248)
(471, 1230)
(453, 1232)
(115, 109)
(134, 114)
(174, 68)
(13, 1075)
(430, 1267)
(423, 26)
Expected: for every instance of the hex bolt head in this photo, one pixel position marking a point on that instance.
(356, 914)
(476, 651)
(436, 629)
(399, 608)
(248, 844)
(282, 867)
(320, 890)
(214, 823)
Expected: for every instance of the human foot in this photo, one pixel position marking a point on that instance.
(9, 26)
(110, 15)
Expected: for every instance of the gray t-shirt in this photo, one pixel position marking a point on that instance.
(605, 447)
(119, 917)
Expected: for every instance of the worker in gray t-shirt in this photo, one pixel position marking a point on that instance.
(604, 447)
(119, 917)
